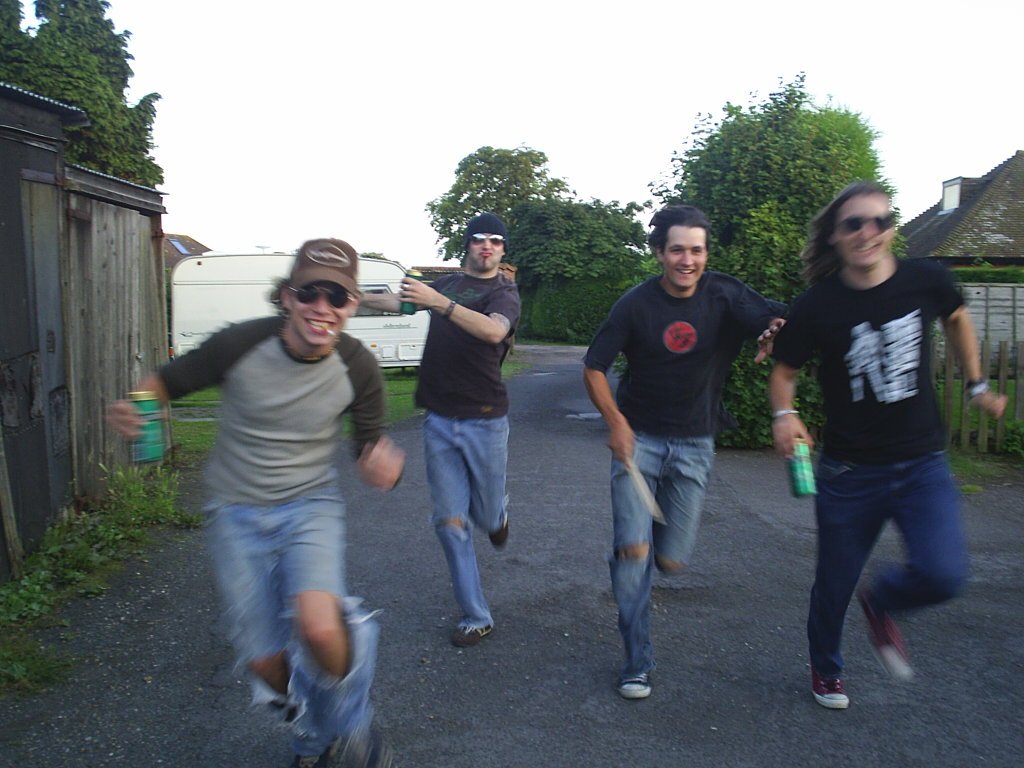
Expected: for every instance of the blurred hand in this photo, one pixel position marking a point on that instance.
(124, 418)
(991, 403)
(381, 464)
(786, 430)
(766, 339)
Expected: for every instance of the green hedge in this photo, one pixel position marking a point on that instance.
(989, 274)
(570, 312)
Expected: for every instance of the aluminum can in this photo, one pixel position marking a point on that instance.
(801, 470)
(149, 446)
(407, 307)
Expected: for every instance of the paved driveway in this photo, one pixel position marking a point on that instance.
(156, 685)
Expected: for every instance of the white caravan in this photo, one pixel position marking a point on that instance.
(214, 289)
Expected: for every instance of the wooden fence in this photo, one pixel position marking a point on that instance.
(967, 427)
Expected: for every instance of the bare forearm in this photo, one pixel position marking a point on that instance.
(491, 328)
(385, 302)
(962, 339)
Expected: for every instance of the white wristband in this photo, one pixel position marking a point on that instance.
(783, 412)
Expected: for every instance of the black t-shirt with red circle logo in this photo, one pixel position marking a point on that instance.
(679, 351)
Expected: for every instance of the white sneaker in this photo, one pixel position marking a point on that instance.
(638, 687)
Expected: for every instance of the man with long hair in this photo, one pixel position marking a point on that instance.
(869, 317)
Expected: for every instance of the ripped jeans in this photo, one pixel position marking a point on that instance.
(466, 463)
(677, 470)
(263, 557)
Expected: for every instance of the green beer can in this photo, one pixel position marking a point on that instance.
(407, 307)
(149, 446)
(801, 470)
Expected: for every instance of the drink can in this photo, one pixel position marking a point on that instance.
(801, 470)
(407, 307)
(149, 446)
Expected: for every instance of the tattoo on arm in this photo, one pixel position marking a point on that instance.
(501, 320)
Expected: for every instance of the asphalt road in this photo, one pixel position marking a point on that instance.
(155, 684)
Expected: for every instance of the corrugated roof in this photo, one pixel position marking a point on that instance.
(70, 115)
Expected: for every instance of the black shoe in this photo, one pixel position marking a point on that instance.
(465, 637)
(500, 536)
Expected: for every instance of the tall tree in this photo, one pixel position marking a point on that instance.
(761, 174)
(494, 180)
(76, 56)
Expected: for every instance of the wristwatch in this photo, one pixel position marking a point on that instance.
(976, 387)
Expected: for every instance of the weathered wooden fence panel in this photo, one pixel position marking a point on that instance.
(966, 426)
(117, 328)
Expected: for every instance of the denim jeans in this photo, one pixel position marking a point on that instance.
(677, 469)
(263, 556)
(466, 462)
(853, 504)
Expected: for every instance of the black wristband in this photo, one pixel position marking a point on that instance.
(451, 308)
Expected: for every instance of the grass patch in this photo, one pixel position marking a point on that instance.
(75, 559)
(193, 440)
(973, 470)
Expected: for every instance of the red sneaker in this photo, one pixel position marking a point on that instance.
(886, 640)
(828, 691)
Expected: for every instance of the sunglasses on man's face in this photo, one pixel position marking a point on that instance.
(853, 224)
(480, 237)
(308, 294)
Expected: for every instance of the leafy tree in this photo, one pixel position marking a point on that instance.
(760, 174)
(558, 240)
(75, 56)
(493, 180)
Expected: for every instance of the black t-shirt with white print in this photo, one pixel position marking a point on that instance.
(875, 372)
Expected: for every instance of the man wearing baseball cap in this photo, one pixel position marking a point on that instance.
(473, 315)
(276, 511)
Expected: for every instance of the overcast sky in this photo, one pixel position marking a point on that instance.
(285, 121)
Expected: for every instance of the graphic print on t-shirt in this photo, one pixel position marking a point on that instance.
(886, 360)
(679, 337)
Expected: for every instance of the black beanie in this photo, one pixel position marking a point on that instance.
(485, 223)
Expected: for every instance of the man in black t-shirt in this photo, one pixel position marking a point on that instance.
(869, 317)
(680, 333)
(473, 315)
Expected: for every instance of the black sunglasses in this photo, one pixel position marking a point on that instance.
(856, 223)
(307, 294)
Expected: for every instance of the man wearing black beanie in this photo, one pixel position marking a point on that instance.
(473, 315)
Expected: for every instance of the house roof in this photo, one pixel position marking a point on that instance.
(178, 247)
(987, 224)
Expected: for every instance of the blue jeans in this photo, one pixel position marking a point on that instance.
(466, 462)
(677, 470)
(853, 504)
(263, 556)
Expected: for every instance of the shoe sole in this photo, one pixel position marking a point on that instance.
(892, 661)
(635, 693)
(832, 703)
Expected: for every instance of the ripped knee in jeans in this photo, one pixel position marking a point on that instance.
(633, 552)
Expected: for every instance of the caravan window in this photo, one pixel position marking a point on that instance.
(365, 311)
